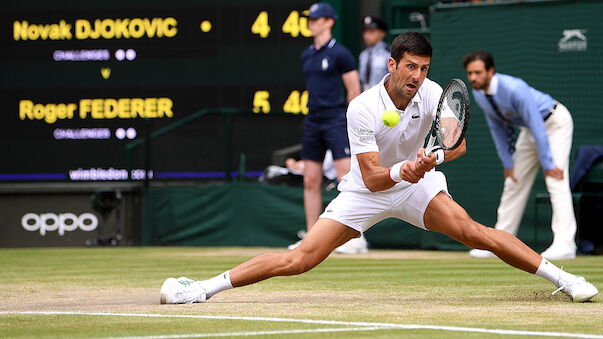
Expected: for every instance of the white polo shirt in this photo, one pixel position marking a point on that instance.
(367, 133)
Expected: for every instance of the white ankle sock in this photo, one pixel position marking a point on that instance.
(216, 284)
(550, 272)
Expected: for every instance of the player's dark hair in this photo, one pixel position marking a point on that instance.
(411, 42)
(484, 56)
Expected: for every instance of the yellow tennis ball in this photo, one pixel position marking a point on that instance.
(390, 118)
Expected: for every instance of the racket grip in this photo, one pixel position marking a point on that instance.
(439, 152)
(430, 146)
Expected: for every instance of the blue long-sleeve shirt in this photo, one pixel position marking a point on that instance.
(520, 105)
(379, 56)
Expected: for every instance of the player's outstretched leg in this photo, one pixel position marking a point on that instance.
(445, 216)
(323, 238)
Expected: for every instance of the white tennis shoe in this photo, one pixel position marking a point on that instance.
(577, 288)
(301, 234)
(475, 253)
(354, 246)
(182, 291)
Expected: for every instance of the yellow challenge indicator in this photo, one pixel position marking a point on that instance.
(205, 26)
(106, 72)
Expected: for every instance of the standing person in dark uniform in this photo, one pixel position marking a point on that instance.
(326, 64)
(373, 59)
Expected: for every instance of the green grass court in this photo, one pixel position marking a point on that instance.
(114, 293)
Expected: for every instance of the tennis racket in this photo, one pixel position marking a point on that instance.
(452, 118)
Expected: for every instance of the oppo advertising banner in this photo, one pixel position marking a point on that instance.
(48, 219)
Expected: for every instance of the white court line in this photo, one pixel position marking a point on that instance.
(332, 322)
(247, 334)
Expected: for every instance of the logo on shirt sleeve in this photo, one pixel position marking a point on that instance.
(366, 135)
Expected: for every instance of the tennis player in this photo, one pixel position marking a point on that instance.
(389, 177)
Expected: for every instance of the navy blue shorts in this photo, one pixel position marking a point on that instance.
(323, 133)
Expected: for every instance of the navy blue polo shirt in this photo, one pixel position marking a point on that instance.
(323, 69)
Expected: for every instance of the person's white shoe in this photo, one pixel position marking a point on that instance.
(475, 253)
(181, 291)
(354, 246)
(555, 252)
(301, 235)
(577, 288)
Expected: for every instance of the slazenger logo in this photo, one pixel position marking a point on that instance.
(573, 40)
(64, 222)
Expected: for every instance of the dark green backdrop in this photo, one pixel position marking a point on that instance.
(252, 214)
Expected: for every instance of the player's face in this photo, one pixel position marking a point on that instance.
(408, 74)
(478, 75)
(372, 36)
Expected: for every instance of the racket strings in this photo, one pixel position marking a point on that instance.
(450, 127)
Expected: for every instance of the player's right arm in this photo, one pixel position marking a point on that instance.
(377, 178)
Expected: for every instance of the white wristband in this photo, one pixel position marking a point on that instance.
(439, 156)
(394, 171)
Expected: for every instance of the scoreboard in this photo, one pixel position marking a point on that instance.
(81, 80)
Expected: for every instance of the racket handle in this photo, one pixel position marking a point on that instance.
(439, 152)
(429, 147)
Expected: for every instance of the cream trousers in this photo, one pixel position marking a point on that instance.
(559, 128)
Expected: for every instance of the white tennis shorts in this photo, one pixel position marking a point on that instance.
(361, 210)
